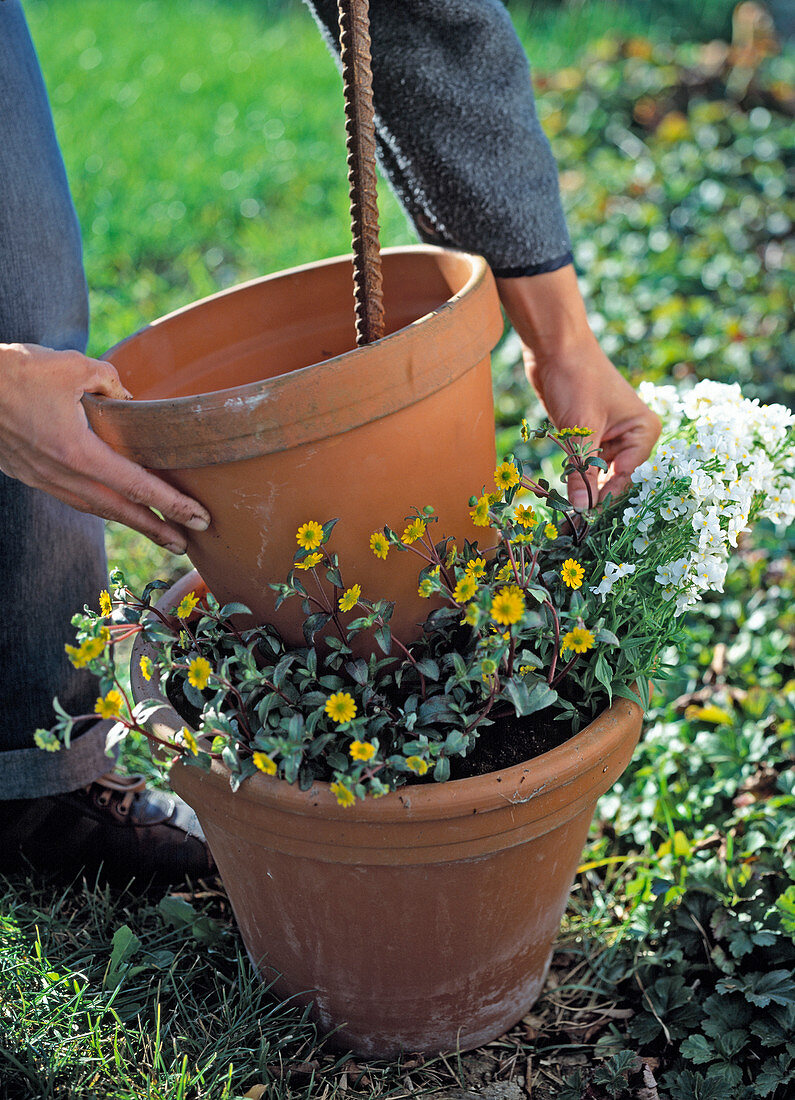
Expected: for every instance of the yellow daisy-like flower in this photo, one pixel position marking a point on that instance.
(362, 750)
(189, 741)
(199, 672)
(525, 430)
(309, 535)
(508, 606)
(145, 665)
(417, 764)
(350, 597)
(551, 531)
(524, 515)
(76, 655)
(487, 668)
(187, 606)
(465, 589)
(524, 669)
(89, 649)
(414, 531)
(340, 707)
(451, 553)
(523, 539)
(476, 567)
(379, 544)
(105, 604)
(109, 706)
(310, 561)
(578, 639)
(343, 796)
(480, 513)
(572, 573)
(505, 572)
(426, 588)
(472, 615)
(264, 763)
(506, 476)
(569, 433)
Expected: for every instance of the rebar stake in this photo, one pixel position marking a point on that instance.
(357, 79)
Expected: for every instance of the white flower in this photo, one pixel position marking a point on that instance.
(673, 574)
(614, 571)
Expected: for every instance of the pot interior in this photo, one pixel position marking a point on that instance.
(279, 324)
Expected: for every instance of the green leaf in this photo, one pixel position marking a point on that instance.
(230, 609)
(383, 635)
(314, 623)
(762, 989)
(697, 1049)
(429, 668)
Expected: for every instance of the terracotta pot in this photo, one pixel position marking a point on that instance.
(257, 403)
(420, 921)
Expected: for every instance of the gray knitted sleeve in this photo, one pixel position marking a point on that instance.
(458, 135)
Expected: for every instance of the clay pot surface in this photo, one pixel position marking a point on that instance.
(420, 921)
(257, 403)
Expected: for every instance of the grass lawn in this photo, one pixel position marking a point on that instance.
(204, 142)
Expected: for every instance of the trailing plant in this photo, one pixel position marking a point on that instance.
(559, 611)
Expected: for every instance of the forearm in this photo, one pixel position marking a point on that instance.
(458, 135)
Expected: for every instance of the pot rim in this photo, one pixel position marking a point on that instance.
(306, 404)
(593, 748)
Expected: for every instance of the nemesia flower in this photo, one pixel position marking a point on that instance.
(614, 571)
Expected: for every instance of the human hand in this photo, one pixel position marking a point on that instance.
(46, 442)
(576, 382)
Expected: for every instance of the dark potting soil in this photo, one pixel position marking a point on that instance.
(511, 740)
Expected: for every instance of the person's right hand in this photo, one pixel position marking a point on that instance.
(46, 442)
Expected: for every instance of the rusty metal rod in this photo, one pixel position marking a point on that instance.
(357, 79)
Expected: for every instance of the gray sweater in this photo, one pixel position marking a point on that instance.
(458, 135)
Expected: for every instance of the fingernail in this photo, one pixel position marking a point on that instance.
(176, 547)
(198, 522)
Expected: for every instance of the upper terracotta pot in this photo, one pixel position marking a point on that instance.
(257, 403)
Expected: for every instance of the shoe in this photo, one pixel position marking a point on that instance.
(116, 829)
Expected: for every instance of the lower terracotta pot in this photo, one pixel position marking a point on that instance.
(420, 921)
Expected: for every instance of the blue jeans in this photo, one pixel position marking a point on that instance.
(52, 558)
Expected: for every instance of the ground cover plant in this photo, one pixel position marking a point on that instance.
(684, 906)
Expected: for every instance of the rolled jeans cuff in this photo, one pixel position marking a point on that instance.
(35, 773)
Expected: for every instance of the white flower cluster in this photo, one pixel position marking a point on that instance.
(724, 460)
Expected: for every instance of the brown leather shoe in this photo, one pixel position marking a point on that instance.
(116, 828)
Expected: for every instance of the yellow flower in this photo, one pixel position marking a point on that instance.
(673, 127)
(47, 740)
(465, 589)
(505, 572)
(480, 513)
(572, 573)
(525, 430)
(476, 566)
(568, 433)
(362, 750)
(472, 615)
(105, 604)
(310, 561)
(340, 707)
(189, 741)
(309, 535)
(506, 476)
(187, 606)
(199, 672)
(343, 796)
(451, 553)
(379, 544)
(525, 515)
(145, 665)
(350, 597)
(551, 531)
(89, 649)
(426, 588)
(488, 667)
(110, 706)
(417, 764)
(264, 763)
(507, 606)
(524, 669)
(76, 655)
(414, 531)
(523, 539)
(579, 639)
